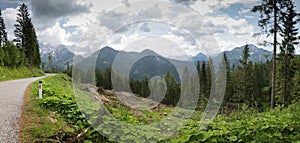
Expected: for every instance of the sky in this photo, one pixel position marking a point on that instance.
(172, 28)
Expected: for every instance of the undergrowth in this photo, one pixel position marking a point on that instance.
(278, 125)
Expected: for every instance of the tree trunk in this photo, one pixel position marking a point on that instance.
(274, 55)
(285, 103)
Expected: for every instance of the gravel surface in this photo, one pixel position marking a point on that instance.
(11, 100)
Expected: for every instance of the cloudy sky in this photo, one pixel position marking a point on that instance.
(174, 28)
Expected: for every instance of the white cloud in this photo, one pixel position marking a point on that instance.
(232, 26)
(10, 17)
(226, 3)
(100, 6)
(186, 48)
(205, 7)
(244, 11)
(249, 16)
(54, 35)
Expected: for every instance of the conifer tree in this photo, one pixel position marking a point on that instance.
(271, 15)
(259, 83)
(26, 37)
(203, 80)
(287, 52)
(172, 94)
(229, 85)
(246, 78)
(210, 73)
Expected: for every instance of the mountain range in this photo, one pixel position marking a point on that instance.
(59, 54)
(256, 54)
(139, 66)
(106, 56)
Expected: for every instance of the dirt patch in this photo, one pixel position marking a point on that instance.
(24, 117)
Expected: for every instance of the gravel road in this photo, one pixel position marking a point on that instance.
(11, 100)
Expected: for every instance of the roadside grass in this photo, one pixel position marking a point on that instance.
(18, 73)
(38, 124)
(53, 118)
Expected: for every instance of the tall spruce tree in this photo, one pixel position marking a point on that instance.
(271, 15)
(26, 37)
(203, 80)
(228, 99)
(246, 78)
(172, 94)
(287, 52)
(260, 81)
(210, 73)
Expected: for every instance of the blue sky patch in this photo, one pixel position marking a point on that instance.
(5, 5)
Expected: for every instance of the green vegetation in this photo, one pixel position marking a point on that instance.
(36, 122)
(58, 98)
(273, 126)
(17, 73)
(58, 114)
(58, 103)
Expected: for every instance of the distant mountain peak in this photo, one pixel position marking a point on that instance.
(107, 48)
(252, 48)
(256, 54)
(148, 52)
(200, 57)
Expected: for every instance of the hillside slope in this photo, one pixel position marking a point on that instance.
(17, 73)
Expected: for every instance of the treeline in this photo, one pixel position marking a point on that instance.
(170, 90)
(250, 84)
(103, 80)
(140, 87)
(24, 49)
